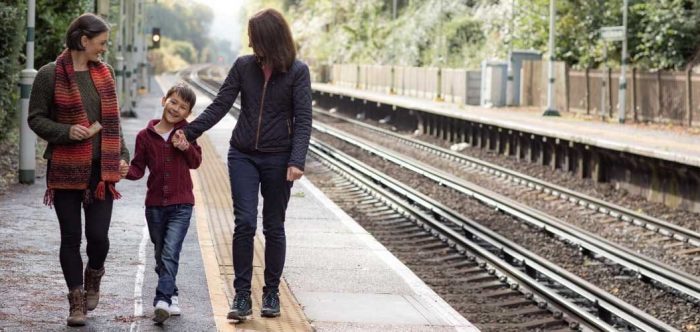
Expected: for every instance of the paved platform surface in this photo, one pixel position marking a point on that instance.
(337, 276)
(654, 143)
(342, 278)
(32, 285)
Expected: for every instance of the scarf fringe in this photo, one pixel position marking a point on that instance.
(115, 194)
(48, 197)
(102, 188)
(100, 191)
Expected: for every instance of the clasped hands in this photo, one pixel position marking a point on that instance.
(179, 141)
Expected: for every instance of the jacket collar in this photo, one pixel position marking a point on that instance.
(152, 124)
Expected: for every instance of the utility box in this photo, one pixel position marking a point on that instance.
(494, 74)
(515, 65)
(473, 94)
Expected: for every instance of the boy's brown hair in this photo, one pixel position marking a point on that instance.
(185, 92)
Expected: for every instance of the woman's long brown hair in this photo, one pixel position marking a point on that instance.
(271, 39)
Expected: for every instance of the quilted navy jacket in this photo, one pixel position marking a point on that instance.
(275, 116)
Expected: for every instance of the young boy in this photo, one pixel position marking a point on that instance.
(169, 198)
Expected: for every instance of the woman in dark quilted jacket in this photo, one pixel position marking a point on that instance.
(267, 149)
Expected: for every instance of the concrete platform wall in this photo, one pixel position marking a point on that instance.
(671, 183)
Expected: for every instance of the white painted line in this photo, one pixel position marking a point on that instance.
(138, 283)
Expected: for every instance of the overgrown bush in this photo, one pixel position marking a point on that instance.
(11, 41)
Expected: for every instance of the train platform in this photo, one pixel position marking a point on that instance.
(654, 143)
(337, 276)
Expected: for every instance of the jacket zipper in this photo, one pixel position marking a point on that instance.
(262, 101)
(289, 128)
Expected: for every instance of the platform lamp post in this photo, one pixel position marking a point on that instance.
(551, 110)
(622, 94)
(27, 138)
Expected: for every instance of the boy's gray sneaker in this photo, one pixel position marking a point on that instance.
(242, 306)
(270, 305)
(160, 312)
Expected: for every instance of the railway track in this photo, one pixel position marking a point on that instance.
(480, 256)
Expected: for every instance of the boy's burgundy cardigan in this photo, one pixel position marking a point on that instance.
(169, 181)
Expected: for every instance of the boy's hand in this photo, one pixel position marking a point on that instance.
(123, 168)
(180, 141)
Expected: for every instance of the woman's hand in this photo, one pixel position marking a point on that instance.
(78, 132)
(123, 168)
(294, 173)
(180, 141)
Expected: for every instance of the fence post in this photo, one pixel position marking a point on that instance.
(658, 100)
(588, 91)
(392, 90)
(634, 94)
(357, 78)
(438, 97)
(689, 96)
(609, 92)
(403, 80)
(566, 86)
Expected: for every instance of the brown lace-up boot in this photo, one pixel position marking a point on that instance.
(92, 286)
(76, 299)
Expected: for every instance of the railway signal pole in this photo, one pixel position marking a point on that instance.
(551, 110)
(27, 138)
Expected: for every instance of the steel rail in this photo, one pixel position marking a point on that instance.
(646, 267)
(651, 223)
(602, 299)
(436, 214)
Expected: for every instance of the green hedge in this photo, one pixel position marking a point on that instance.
(12, 15)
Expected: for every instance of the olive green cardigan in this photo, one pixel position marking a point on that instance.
(41, 110)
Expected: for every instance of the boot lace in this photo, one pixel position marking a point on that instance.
(271, 300)
(240, 302)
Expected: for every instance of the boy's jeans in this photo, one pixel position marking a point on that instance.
(167, 226)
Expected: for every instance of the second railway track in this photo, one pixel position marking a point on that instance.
(606, 313)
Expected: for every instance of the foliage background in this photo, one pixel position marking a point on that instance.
(185, 26)
(663, 34)
(11, 41)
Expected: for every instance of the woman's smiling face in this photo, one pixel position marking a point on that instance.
(96, 46)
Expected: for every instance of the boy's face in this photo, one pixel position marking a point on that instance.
(175, 109)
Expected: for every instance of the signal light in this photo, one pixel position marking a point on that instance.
(155, 37)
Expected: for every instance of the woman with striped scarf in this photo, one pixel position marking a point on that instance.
(73, 106)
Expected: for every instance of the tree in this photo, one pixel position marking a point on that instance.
(667, 34)
(12, 42)
(182, 21)
(52, 20)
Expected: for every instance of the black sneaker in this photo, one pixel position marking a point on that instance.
(241, 307)
(270, 305)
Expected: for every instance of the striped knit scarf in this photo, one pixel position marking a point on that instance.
(71, 163)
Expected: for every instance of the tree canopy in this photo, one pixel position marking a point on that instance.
(663, 34)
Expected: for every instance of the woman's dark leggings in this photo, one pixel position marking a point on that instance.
(98, 214)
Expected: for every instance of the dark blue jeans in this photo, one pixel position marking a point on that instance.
(249, 174)
(167, 226)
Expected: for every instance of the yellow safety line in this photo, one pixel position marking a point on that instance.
(214, 213)
(217, 293)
